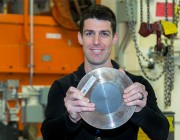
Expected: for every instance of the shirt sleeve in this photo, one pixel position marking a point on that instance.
(57, 123)
(150, 118)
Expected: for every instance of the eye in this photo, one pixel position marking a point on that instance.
(105, 34)
(88, 33)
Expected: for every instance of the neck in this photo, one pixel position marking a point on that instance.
(89, 67)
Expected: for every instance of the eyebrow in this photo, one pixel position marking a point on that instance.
(99, 31)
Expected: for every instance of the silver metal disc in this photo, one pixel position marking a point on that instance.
(106, 91)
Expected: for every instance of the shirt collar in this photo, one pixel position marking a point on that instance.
(80, 73)
(82, 70)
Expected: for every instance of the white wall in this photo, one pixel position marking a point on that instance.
(131, 63)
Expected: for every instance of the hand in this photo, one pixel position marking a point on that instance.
(121, 70)
(136, 94)
(75, 102)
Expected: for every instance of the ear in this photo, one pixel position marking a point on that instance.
(115, 39)
(80, 40)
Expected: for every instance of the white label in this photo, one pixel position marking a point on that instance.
(53, 36)
(88, 84)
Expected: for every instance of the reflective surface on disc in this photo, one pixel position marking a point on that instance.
(105, 87)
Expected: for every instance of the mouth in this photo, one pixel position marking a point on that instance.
(97, 51)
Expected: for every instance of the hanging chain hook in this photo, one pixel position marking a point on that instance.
(148, 15)
(131, 25)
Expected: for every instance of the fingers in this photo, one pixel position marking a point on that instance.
(75, 98)
(74, 94)
(133, 97)
(79, 106)
(135, 87)
(142, 96)
(75, 102)
(136, 95)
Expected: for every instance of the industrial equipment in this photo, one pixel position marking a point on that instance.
(38, 45)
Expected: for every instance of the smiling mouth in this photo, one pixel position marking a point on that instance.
(97, 51)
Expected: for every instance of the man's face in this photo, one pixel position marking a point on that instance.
(97, 40)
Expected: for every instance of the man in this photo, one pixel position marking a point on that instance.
(97, 36)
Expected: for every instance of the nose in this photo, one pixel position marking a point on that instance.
(96, 39)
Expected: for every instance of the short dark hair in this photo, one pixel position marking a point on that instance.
(100, 12)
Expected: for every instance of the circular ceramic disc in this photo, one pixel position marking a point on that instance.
(105, 87)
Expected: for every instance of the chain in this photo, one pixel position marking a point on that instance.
(169, 73)
(166, 10)
(148, 14)
(169, 63)
(173, 11)
(141, 10)
(168, 67)
(139, 54)
(176, 15)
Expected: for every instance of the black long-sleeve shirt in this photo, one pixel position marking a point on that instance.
(58, 126)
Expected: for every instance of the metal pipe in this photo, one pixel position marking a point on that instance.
(121, 48)
(176, 51)
(31, 40)
(5, 9)
(26, 21)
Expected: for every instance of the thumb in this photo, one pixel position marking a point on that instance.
(121, 70)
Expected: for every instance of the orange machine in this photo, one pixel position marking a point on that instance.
(56, 51)
(53, 52)
(37, 49)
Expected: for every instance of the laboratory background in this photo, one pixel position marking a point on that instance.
(38, 44)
